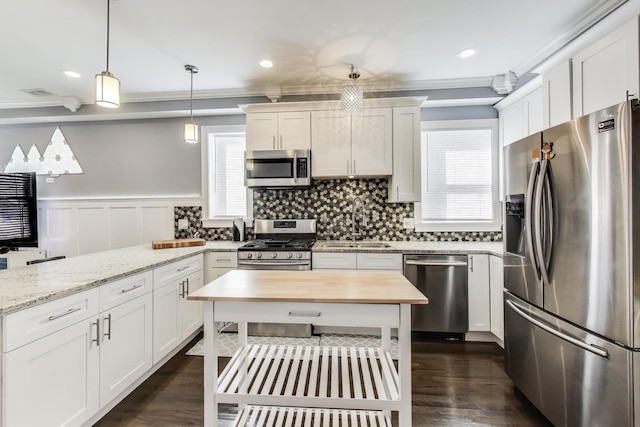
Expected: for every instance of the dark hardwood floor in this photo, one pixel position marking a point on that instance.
(454, 384)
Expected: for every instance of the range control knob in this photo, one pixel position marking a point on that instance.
(274, 255)
(299, 255)
(289, 255)
(259, 255)
(249, 255)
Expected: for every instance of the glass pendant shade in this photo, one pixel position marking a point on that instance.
(191, 133)
(352, 96)
(107, 90)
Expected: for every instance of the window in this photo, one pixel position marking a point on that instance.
(224, 195)
(459, 177)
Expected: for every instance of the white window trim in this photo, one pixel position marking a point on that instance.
(496, 224)
(207, 222)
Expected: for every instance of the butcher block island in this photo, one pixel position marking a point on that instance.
(310, 385)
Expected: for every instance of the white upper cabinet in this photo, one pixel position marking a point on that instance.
(556, 95)
(359, 144)
(606, 73)
(522, 118)
(279, 131)
(404, 184)
(371, 142)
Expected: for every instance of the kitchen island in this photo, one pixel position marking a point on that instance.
(274, 384)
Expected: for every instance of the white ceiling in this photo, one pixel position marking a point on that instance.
(396, 44)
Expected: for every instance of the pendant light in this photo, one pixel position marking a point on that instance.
(352, 93)
(191, 129)
(107, 86)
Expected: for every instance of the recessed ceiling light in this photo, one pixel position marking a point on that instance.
(71, 74)
(466, 53)
(266, 63)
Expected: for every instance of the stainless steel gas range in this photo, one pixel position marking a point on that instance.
(283, 244)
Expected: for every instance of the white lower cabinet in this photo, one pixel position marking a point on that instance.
(496, 279)
(175, 318)
(53, 381)
(479, 293)
(125, 346)
(218, 263)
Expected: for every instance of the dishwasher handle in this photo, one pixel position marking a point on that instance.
(436, 263)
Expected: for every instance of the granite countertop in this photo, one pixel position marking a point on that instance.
(25, 286)
(413, 247)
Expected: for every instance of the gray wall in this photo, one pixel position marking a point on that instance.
(119, 158)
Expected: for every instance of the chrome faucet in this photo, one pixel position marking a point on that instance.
(357, 201)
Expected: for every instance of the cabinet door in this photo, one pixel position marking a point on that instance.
(262, 131)
(479, 294)
(532, 110)
(379, 261)
(53, 381)
(330, 144)
(167, 324)
(371, 142)
(605, 71)
(126, 346)
(404, 184)
(512, 122)
(496, 276)
(294, 131)
(191, 311)
(556, 95)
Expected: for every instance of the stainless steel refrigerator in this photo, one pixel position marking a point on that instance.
(572, 268)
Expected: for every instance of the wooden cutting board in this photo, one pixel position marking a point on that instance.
(178, 243)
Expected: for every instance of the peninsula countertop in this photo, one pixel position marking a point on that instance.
(359, 287)
(26, 286)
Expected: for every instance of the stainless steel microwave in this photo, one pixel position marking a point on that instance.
(277, 168)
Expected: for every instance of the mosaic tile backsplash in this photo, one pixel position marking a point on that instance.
(330, 202)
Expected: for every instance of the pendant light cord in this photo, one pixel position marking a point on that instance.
(191, 97)
(108, 15)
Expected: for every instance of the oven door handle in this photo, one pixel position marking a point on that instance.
(272, 263)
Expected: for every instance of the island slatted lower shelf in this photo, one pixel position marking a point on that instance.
(312, 376)
(259, 416)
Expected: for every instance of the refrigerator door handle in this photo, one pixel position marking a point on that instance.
(585, 346)
(528, 222)
(537, 220)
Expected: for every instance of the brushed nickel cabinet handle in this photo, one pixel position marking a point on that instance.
(304, 314)
(66, 313)
(107, 334)
(471, 263)
(182, 268)
(134, 287)
(97, 324)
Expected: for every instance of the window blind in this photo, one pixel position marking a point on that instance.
(456, 176)
(17, 202)
(227, 192)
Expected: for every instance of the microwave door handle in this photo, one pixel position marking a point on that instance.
(295, 168)
(537, 219)
(528, 220)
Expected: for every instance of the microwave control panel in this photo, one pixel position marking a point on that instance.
(302, 168)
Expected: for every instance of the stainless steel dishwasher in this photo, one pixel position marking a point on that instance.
(443, 279)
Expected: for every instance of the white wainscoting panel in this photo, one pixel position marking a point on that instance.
(78, 227)
(124, 227)
(93, 235)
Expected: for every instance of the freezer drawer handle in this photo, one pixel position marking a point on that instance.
(437, 263)
(304, 314)
(589, 347)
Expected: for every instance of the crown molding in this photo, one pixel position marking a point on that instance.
(593, 21)
(518, 94)
(463, 102)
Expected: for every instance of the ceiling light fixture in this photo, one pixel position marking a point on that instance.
(107, 86)
(266, 63)
(466, 53)
(352, 94)
(191, 129)
(71, 74)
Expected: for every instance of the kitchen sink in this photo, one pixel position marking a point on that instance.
(356, 245)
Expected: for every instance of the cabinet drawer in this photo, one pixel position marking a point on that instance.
(121, 291)
(334, 261)
(32, 323)
(325, 314)
(162, 276)
(379, 261)
(222, 259)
